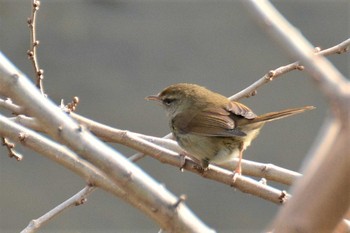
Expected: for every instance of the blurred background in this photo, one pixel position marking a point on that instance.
(114, 53)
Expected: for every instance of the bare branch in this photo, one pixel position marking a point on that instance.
(72, 106)
(315, 209)
(34, 43)
(11, 149)
(135, 141)
(170, 157)
(77, 199)
(7, 104)
(57, 153)
(282, 175)
(343, 47)
(273, 74)
(268, 171)
(277, 196)
(244, 184)
(156, 204)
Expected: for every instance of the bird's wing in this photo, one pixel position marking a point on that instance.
(240, 110)
(210, 122)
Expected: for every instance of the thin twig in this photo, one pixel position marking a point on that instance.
(77, 199)
(10, 148)
(274, 74)
(34, 43)
(72, 106)
(8, 104)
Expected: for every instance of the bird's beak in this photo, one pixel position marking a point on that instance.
(153, 97)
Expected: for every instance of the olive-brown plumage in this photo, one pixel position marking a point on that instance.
(209, 126)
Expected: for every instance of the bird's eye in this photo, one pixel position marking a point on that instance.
(168, 101)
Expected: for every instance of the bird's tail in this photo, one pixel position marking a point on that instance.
(271, 116)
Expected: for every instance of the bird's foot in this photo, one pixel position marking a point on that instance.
(182, 162)
(238, 170)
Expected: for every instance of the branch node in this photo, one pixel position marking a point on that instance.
(181, 199)
(72, 106)
(15, 76)
(40, 73)
(60, 128)
(317, 49)
(253, 93)
(265, 169)
(30, 54)
(81, 201)
(80, 128)
(270, 75)
(8, 144)
(10, 148)
(128, 177)
(36, 5)
(263, 181)
(344, 50)
(283, 197)
(30, 22)
(300, 67)
(22, 137)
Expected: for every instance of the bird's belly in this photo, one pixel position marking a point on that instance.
(197, 146)
(251, 135)
(213, 149)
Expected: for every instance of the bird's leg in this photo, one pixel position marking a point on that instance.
(204, 163)
(184, 155)
(238, 169)
(182, 161)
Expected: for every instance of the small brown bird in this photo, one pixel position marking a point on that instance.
(209, 126)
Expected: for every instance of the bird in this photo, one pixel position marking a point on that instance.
(210, 127)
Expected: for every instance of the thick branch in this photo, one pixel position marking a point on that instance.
(157, 202)
(321, 198)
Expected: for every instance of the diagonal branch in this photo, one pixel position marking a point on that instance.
(320, 198)
(144, 192)
(274, 74)
(78, 199)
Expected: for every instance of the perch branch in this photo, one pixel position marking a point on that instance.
(167, 156)
(137, 142)
(142, 189)
(107, 133)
